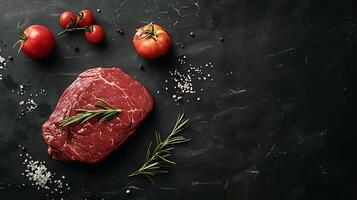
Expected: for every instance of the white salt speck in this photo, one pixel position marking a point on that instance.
(183, 80)
(40, 176)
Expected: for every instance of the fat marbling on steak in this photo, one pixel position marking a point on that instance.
(91, 141)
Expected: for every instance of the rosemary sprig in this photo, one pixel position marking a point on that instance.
(159, 157)
(107, 112)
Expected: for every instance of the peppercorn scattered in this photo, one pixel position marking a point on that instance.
(98, 10)
(10, 58)
(141, 67)
(192, 34)
(221, 39)
(76, 49)
(182, 46)
(120, 31)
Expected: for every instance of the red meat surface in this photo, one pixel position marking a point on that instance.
(92, 141)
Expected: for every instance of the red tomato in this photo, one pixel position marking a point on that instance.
(37, 41)
(95, 34)
(68, 19)
(85, 18)
(152, 41)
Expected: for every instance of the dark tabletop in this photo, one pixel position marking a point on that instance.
(277, 122)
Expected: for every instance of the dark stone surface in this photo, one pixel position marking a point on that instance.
(277, 123)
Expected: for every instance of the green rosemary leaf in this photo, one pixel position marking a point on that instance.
(105, 103)
(89, 116)
(166, 160)
(159, 157)
(158, 138)
(107, 112)
(151, 180)
(108, 117)
(148, 152)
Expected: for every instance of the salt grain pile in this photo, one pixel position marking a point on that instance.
(28, 101)
(2, 65)
(183, 80)
(41, 177)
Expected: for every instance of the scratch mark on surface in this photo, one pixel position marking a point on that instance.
(198, 8)
(122, 4)
(179, 10)
(71, 57)
(306, 59)
(233, 92)
(54, 14)
(178, 16)
(167, 188)
(194, 183)
(49, 76)
(229, 110)
(280, 52)
(198, 48)
(223, 112)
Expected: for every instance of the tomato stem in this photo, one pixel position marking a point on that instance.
(72, 29)
(75, 28)
(22, 36)
(150, 33)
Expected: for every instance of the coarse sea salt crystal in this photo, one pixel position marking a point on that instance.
(41, 177)
(183, 82)
(2, 60)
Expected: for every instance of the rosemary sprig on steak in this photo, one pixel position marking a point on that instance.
(106, 111)
(159, 158)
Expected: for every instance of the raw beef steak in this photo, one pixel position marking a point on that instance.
(91, 141)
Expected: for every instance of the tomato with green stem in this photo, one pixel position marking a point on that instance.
(152, 41)
(68, 19)
(36, 41)
(94, 34)
(85, 18)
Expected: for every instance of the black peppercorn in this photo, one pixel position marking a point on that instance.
(141, 67)
(120, 31)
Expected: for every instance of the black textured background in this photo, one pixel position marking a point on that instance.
(278, 122)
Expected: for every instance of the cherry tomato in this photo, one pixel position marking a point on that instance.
(68, 19)
(95, 34)
(85, 18)
(152, 41)
(37, 41)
